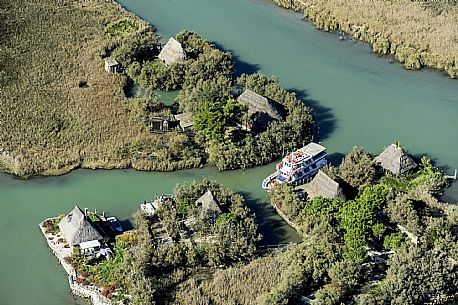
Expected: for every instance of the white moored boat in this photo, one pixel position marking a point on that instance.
(298, 167)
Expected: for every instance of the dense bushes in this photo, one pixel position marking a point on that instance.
(416, 276)
(356, 168)
(246, 149)
(205, 62)
(207, 87)
(228, 239)
(367, 225)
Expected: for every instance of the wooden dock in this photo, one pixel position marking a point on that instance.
(451, 177)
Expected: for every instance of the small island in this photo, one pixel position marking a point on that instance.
(369, 228)
(89, 119)
(200, 228)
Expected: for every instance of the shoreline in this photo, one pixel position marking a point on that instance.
(102, 165)
(410, 57)
(285, 218)
(60, 252)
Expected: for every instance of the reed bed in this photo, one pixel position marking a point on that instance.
(418, 33)
(59, 109)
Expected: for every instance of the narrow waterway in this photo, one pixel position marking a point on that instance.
(359, 98)
(26, 263)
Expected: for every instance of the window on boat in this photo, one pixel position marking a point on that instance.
(320, 155)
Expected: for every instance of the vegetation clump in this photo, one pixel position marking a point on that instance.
(385, 209)
(418, 33)
(182, 240)
(208, 92)
(64, 111)
(352, 250)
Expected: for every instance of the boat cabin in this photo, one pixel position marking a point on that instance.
(298, 167)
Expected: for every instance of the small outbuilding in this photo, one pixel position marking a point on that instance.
(209, 206)
(172, 52)
(157, 124)
(185, 120)
(395, 160)
(111, 66)
(324, 186)
(261, 111)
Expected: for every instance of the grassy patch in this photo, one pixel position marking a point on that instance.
(121, 28)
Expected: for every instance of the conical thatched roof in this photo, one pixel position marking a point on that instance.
(258, 103)
(76, 228)
(395, 160)
(172, 52)
(209, 206)
(324, 186)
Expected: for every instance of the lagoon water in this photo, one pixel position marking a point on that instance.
(359, 99)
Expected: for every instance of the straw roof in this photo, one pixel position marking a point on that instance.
(209, 206)
(172, 52)
(258, 103)
(185, 120)
(395, 160)
(76, 228)
(324, 186)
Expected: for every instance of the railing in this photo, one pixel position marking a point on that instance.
(275, 247)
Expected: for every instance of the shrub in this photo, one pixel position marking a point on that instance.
(394, 241)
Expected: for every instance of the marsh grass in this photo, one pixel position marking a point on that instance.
(49, 123)
(418, 33)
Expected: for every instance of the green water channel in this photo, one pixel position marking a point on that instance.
(25, 262)
(359, 99)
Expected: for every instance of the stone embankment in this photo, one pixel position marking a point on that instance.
(58, 248)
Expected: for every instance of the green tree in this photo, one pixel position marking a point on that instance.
(345, 275)
(419, 276)
(211, 121)
(378, 229)
(139, 47)
(356, 168)
(394, 241)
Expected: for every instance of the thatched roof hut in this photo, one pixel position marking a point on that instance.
(172, 52)
(258, 103)
(261, 111)
(185, 120)
(209, 206)
(76, 228)
(324, 186)
(395, 160)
